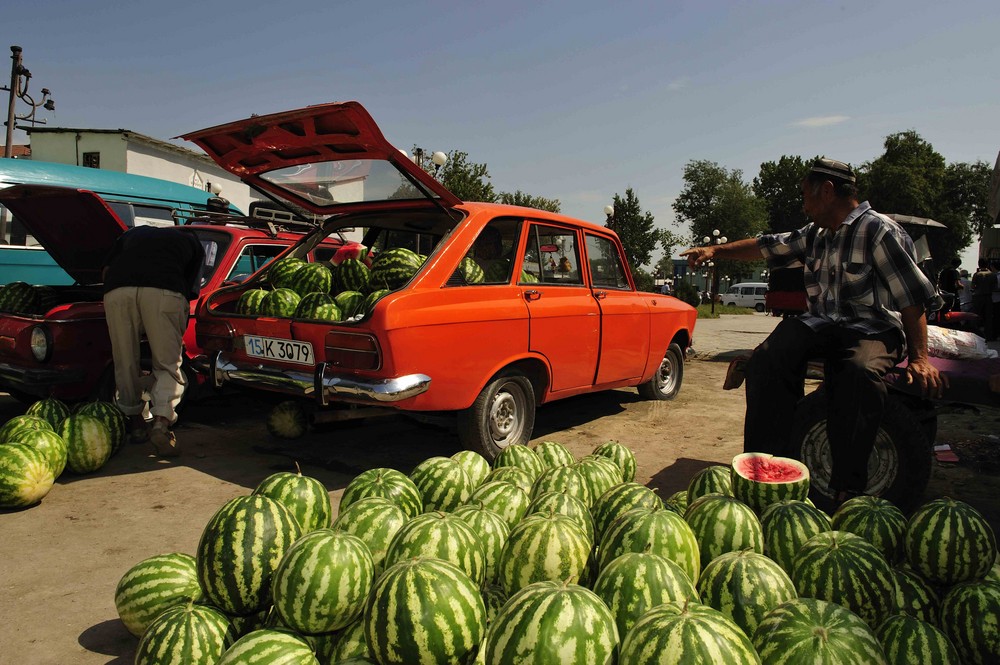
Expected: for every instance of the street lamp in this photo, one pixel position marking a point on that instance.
(438, 159)
(716, 239)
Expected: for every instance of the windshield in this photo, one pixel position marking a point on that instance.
(351, 181)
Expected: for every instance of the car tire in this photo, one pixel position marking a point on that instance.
(666, 382)
(759, 307)
(899, 467)
(730, 304)
(503, 415)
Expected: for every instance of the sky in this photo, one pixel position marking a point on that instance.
(575, 101)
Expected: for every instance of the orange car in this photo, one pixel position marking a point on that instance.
(481, 310)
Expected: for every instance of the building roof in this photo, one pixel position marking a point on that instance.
(128, 134)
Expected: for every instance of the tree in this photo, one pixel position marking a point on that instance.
(717, 198)
(635, 228)
(778, 185)
(519, 198)
(911, 178)
(670, 240)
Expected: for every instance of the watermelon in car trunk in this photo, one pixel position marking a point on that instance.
(759, 479)
(318, 306)
(280, 273)
(281, 302)
(250, 302)
(311, 278)
(352, 275)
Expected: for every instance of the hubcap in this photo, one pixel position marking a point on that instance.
(506, 414)
(883, 463)
(666, 377)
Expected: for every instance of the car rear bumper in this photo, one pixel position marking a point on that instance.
(318, 383)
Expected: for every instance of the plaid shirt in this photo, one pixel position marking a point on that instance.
(859, 276)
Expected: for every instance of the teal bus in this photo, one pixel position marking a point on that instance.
(135, 199)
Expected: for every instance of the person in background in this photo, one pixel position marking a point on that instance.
(867, 303)
(949, 284)
(982, 295)
(150, 276)
(965, 295)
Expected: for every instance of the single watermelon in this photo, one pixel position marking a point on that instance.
(153, 585)
(305, 497)
(250, 302)
(50, 409)
(375, 520)
(288, 420)
(444, 536)
(948, 542)
(387, 483)
(759, 480)
(281, 302)
(185, 634)
(25, 475)
(805, 631)
(88, 442)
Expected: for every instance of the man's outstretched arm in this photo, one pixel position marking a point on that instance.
(740, 250)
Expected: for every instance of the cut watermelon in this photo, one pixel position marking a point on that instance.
(760, 480)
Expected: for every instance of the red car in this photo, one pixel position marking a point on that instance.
(480, 310)
(65, 351)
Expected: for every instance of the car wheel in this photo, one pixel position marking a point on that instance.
(898, 468)
(759, 307)
(502, 415)
(666, 382)
(730, 304)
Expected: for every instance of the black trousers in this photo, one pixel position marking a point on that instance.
(854, 364)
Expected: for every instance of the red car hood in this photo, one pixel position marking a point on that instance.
(340, 133)
(75, 226)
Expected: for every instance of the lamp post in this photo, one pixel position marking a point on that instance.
(438, 159)
(715, 239)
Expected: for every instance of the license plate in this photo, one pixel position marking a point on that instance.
(273, 348)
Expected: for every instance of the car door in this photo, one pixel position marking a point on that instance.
(624, 314)
(564, 319)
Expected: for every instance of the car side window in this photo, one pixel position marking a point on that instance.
(490, 258)
(551, 256)
(760, 291)
(252, 259)
(606, 267)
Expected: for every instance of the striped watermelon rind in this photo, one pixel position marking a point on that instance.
(906, 639)
(153, 585)
(444, 536)
(564, 504)
(787, 525)
(443, 483)
(88, 442)
(288, 420)
(322, 581)
(250, 301)
(185, 633)
(635, 582)
(317, 306)
(915, 596)
(113, 419)
(745, 586)
(474, 464)
(375, 520)
(350, 303)
(352, 275)
(393, 268)
(50, 409)
(816, 631)
(239, 550)
(543, 548)
(505, 499)
(281, 303)
(686, 633)
(48, 443)
(948, 542)
(493, 533)
(22, 422)
(553, 454)
(270, 646)
(759, 480)
(876, 520)
(621, 455)
(842, 568)
(968, 617)
(620, 499)
(305, 497)
(521, 457)
(554, 622)
(280, 272)
(387, 483)
(715, 479)
(424, 610)
(311, 278)
(723, 524)
(656, 530)
(566, 479)
(25, 475)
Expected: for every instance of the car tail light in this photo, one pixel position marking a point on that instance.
(353, 351)
(215, 336)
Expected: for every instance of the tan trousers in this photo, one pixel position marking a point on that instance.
(163, 316)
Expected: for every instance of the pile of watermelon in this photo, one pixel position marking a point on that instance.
(27, 299)
(540, 557)
(35, 448)
(346, 289)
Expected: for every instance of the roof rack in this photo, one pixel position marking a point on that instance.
(272, 224)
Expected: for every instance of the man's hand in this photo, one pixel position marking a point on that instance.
(926, 376)
(698, 255)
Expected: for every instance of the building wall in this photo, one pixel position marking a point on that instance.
(68, 148)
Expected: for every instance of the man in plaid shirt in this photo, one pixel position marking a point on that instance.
(867, 300)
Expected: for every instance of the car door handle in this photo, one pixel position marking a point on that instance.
(600, 295)
(532, 294)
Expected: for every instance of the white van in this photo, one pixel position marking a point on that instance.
(746, 294)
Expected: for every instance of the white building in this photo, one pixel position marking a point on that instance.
(129, 152)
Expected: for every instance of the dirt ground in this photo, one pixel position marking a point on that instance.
(60, 560)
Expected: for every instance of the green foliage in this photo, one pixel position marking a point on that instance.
(717, 198)
(519, 198)
(669, 241)
(705, 310)
(687, 292)
(635, 228)
(465, 179)
(644, 281)
(911, 178)
(778, 186)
